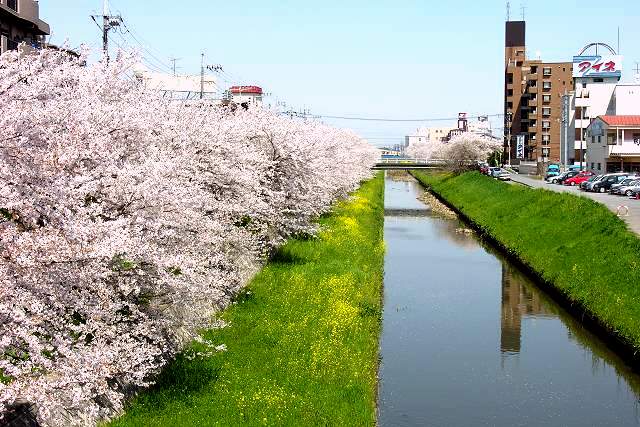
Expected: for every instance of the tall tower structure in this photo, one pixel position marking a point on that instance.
(514, 57)
(533, 101)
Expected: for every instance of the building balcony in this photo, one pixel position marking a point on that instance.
(26, 14)
(532, 129)
(582, 102)
(532, 90)
(533, 116)
(582, 123)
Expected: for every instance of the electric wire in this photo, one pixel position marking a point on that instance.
(378, 119)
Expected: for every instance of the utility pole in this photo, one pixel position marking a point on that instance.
(214, 68)
(109, 22)
(566, 98)
(202, 76)
(173, 61)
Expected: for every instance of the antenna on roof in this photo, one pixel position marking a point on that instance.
(618, 40)
(508, 11)
(523, 8)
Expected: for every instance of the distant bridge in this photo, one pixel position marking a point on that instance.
(403, 164)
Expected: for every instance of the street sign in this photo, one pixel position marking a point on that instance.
(520, 147)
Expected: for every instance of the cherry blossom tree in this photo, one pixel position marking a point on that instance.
(127, 221)
(461, 152)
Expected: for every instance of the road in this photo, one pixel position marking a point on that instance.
(610, 201)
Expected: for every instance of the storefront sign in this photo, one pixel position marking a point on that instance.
(597, 66)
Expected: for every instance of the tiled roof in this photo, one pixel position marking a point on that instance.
(621, 120)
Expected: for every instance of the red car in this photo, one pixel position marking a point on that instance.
(578, 179)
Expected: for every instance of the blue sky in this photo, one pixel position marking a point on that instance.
(391, 59)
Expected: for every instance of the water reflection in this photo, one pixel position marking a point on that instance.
(447, 361)
(518, 300)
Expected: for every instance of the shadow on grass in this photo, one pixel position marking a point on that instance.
(285, 255)
(183, 378)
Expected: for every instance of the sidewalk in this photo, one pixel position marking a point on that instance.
(610, 201)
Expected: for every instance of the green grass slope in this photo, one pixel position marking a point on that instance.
(302, 342)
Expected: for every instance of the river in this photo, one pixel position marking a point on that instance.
(469, 340)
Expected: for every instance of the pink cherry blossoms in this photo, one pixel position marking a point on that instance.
(127, 220)
(458, 153)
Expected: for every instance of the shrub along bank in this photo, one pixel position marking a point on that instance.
(574, 244)
(301, 342)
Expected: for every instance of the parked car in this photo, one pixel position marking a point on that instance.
(552, 170)
(483, 167)
(503, 175)
(554, 179)
(607, 181)
(494, 171)
(579, 179)
(628, 189)
(567, 175)
(586, 186)
(624, 183)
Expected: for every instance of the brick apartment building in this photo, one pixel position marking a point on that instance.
(20, 22)
(533, 100)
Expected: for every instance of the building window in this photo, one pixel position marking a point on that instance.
(546, 85)
(599, 139)
(546, 98)
(546, 71)
(546, 125)
(12, 4)
(599, 166)
(509, 105)
(510, 78)
(534, 69)
(545, 152)
(593, 165)
(546, 111)
(509, 92)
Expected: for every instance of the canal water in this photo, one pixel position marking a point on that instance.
(468, 340)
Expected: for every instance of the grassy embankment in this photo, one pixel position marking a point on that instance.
(574, 244)
(302, 341)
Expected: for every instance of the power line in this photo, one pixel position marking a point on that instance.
(376, 119)
(158, 61)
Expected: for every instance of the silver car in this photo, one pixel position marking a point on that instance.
(588, 185)
(630, 181)
(629, 189)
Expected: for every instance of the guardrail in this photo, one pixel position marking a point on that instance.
(403, 161)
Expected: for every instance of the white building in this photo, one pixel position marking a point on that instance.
(626, 99)
(179, 87)
(424, 134)
(614, 144)
(595, 80)
(251, 95)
